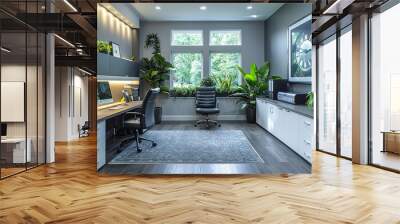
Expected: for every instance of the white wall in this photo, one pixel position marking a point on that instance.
(71, 102)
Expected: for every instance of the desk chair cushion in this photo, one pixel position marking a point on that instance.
(206, 97)
(207, 110)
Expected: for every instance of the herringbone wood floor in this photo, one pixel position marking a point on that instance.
(70, 191)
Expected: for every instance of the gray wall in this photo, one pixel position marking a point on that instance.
(252, 39)
(276, 39)
(111, 29)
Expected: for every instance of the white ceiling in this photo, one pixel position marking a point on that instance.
(214, 11)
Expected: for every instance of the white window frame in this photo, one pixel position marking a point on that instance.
(225, 31)
(172, 75)
(187, 30)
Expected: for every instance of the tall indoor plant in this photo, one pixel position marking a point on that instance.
(255, 84)
(155, 70)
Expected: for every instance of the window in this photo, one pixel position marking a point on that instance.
(224, 66)
(225, 37)
(188, 69)
(187, 38)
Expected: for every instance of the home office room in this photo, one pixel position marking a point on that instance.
(211, 88)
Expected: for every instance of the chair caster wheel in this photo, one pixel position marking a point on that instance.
(139, 150)
(154, 144)
(195, 125)
(219, 125)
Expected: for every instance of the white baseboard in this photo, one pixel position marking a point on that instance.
(194, 117)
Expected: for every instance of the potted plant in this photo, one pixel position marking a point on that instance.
(207, 82)
(255, 83)
(103, 47)
(310, 100)
(155, 70)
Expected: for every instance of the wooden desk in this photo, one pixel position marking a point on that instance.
(108, 112)
(108, 123)
(391, 141)
(14, 151)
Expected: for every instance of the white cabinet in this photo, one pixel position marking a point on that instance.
(261, 110)
(293, 129)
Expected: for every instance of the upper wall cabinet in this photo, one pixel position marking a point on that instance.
(108, 65)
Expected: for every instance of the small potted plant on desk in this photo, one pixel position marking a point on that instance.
(255, 84)
(155, 70)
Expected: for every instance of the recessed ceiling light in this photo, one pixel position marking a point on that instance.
(158, 7)
(249, 7)
(253, 16)
(203, 7)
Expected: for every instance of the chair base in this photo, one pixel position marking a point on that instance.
(207, 121)
(139, 139)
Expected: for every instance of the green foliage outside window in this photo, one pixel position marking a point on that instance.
(188, 69)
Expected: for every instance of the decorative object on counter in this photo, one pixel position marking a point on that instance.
(276, 85)
(103, 47)
(133, 58)
(310, 100)
(207, 82)
(300, 51)
(115, 50)
(293, 98)
(255, 84)
(155, 70)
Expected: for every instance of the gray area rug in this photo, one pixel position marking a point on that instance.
(191, 146)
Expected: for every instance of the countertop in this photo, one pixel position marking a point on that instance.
(107, 113)
(300, 109)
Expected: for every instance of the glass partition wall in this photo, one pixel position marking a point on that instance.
(385, 89)
(334, 104)
(22, 77)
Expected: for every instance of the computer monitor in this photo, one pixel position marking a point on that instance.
(3, 130)
(104, 95)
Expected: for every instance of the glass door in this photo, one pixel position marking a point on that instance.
(326, 100)
(345, 59)
(385, 89)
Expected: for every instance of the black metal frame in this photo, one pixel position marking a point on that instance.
(337, 36)
(44, 80)
(389, 4)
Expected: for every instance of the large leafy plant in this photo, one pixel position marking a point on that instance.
(255, 84)
(155, 70)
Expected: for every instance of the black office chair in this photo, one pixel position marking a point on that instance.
(206, 104)
(143, 118)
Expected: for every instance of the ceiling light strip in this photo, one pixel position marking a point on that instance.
(5, 50)
(131, 26)
(86, 72)
(65, 41)
(70, 5)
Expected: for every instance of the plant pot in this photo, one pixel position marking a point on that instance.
(251, 114)
(158, 115)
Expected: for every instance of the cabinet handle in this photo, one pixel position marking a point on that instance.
(307, 123)
(114, 131)
(307, 142)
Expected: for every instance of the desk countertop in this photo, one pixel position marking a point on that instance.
(300, 109)
(107, 113)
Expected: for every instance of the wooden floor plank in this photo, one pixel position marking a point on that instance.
(71, 191)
